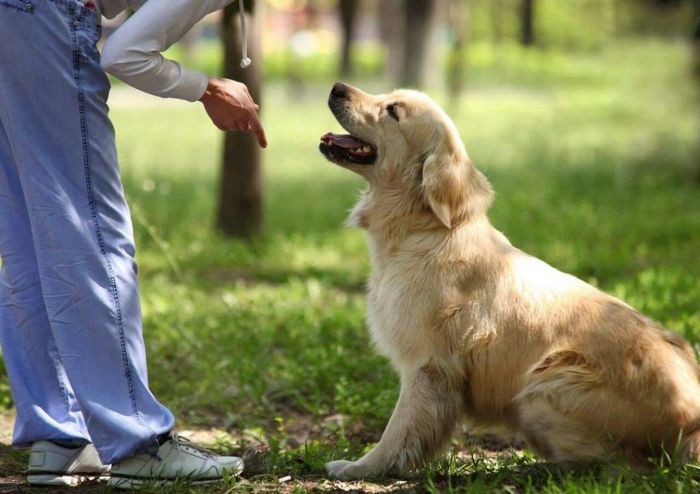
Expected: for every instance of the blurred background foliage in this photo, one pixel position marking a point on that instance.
(310, 31)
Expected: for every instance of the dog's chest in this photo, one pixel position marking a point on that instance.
(397, 313)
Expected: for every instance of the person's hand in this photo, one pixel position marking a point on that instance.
(230, 106)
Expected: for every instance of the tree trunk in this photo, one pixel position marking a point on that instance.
(348, 10)
(420, 21)
(496, 8)
(696, 50)
(240, 211)
(527, 17)
(459, 23)
(696, 40)
(391, 20)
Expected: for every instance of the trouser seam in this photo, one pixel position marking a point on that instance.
(57, 365)
(92, 203)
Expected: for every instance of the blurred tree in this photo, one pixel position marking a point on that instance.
(240, 210)
(301, 44)
(496, 14)
(420, 18)
(527, 26)
(409, 27)
(696, 49)
(696, 39)
(348, 10)
(459, 27)
(392, 28)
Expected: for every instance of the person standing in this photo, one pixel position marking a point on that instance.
(70, 316)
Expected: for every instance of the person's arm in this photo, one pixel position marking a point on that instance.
(133, 54)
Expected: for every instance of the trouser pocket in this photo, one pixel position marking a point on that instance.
(87, 37)
(18, 5)
(85, 29)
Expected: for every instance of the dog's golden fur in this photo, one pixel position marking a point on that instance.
(481, 331)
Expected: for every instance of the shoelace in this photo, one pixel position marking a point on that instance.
(184, 444)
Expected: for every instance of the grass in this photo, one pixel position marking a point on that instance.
(263, 344)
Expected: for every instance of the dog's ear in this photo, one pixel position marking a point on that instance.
(443, 183)
(453, 187)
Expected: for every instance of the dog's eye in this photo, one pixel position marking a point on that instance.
(391, 110)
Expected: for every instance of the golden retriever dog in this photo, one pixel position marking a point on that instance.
(480, 331)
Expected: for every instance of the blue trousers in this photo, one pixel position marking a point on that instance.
(70, 316)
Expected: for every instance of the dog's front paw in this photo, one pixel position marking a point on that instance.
(344, 470)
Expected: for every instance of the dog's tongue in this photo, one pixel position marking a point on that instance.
(345, 141)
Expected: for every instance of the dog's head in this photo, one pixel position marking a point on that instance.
(411, 154)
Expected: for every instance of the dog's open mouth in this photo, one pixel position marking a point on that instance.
(346, 148)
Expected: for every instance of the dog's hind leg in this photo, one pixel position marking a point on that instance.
(425, 416)
(562, 391)
(557, 437)
(690, 447)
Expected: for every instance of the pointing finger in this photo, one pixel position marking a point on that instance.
(257, 129)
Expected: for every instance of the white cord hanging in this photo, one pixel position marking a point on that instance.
(245, 61)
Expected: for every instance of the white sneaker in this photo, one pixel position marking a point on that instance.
(177, 460)
(51, 464)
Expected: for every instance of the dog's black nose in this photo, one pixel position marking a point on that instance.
(340, 90)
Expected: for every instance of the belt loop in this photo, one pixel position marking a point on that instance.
(75, 13)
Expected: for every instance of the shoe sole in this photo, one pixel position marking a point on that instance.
(54, 480)
(119, 482)
(137, 483)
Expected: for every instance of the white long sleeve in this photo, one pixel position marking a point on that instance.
(133, 53)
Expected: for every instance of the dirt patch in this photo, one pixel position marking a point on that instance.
(258, 479)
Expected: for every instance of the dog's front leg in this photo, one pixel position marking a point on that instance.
(422, 421)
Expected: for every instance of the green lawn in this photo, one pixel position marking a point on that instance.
(590, 155)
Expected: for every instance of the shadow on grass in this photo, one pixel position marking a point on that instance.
(13, 463)
(337, 278)
(528, 195)
(293, 205)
